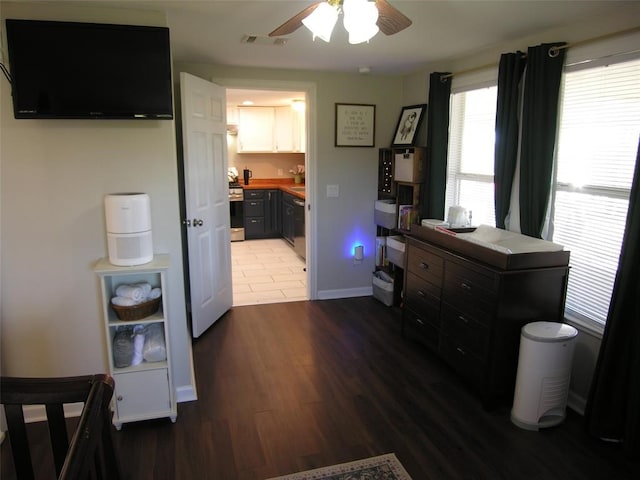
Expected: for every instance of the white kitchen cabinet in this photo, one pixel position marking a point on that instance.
(283, 129)
(143, 391)
(270, 130)
(255, 129)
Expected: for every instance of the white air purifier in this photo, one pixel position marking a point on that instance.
(128, 217)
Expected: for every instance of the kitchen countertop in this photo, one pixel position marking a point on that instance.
(283, 184)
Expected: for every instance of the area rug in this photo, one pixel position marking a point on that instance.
(383, 467)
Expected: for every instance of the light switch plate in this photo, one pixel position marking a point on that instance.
(333, 190)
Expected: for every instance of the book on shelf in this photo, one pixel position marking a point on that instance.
(407, 214)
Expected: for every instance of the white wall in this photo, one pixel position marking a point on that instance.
(620, 19)
(55, 174)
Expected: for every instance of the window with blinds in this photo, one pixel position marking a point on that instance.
(596, 151)
(471, 153)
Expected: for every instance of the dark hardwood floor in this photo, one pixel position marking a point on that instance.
(295, 386)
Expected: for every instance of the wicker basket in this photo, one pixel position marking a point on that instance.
(137, 312)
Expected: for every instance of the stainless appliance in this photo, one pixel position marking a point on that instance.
(299, 245)
(236, 209)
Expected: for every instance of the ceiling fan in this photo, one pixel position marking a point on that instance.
(390, 20)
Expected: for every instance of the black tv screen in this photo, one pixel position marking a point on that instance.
(89, 70)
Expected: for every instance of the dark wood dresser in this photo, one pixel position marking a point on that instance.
(468, 303)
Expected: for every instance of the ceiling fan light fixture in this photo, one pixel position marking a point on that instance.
(321, 21)
(360, 18)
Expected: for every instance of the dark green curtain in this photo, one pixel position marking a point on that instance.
(437, 145)
(507, 130)
(539, 123)
(613, 406)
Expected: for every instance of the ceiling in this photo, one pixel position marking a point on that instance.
(211, 31)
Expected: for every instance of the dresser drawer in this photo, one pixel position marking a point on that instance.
(465, 330)
(474, 276)
(424, 327)
(421, 294)
(462, 360)
(425, 265)
(468, 291)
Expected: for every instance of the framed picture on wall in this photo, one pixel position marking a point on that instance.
(408, 125)
(355, 125)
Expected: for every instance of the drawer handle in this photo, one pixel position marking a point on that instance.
(465, 286)
(462, 319)
(420, 293)
(461, 351)
(424, 266)
(420, 321)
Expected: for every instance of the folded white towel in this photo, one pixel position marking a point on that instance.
(155, 293)
(123, 301)
(131, 291)
(146, 288)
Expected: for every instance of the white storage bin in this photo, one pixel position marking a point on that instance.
(395, 250)
(408, 166)
(385, 213)
(383, 288)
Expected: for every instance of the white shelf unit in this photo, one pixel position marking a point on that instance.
(144, 391)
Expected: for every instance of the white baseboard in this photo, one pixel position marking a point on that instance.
(576, 403)
(37, 413)
(345, 293)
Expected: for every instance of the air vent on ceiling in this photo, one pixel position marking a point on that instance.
(263, 40)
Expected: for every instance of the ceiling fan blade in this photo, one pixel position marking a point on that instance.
(390, 19)
(294, 22)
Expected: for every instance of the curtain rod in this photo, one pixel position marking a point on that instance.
(553, 51)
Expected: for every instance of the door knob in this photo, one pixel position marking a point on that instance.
(186, 222)
(197, 222)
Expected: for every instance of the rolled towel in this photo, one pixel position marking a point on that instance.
(146, 288)
(155, 293)
(138, 344)
(123, 301)
(131, 291)
(122, 348)
(154, 345)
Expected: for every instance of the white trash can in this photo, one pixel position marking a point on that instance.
(544, 373)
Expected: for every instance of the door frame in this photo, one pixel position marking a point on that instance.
(309, 88)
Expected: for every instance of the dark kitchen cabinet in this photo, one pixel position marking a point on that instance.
(262, 214)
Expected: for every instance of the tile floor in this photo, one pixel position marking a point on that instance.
(267, 271)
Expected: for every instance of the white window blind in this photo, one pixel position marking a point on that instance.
(597, 143)
(471, 153)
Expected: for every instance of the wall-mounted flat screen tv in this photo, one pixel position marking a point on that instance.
(89, 70)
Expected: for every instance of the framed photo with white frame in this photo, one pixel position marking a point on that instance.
(408, 125)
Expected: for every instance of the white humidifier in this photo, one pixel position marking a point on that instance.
(128, 217)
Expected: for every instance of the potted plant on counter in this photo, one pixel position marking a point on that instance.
(298, 173)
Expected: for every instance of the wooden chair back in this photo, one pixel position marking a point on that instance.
(90, 455)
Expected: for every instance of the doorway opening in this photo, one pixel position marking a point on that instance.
(274, 269)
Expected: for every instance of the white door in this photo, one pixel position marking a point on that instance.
(204, 134)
